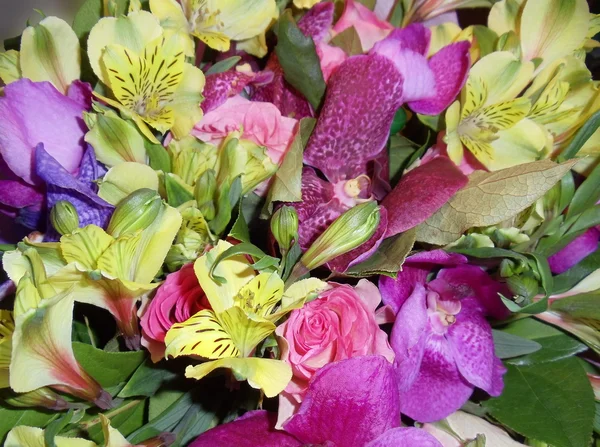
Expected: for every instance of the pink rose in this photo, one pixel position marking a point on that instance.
(330, 58)
(176, 300)
(261, 123)
(370, 28)
(338, 325)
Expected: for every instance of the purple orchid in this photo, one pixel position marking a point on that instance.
(443, 343)
(352, 403)
(573, 253)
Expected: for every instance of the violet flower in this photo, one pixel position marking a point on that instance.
(573, 253)
(443, 343)
(352, 403)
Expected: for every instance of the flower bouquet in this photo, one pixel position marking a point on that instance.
(264, 223)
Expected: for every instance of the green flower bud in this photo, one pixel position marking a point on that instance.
(350, 230)
(284, 226)
(64, 217)
(135, 212)
(204, 193)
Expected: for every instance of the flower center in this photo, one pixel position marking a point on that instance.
(441, 312)
(349, 192)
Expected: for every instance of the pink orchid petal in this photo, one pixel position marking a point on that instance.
(362, 98)
(221, 86)
(405, 437)
(349, 403)
(573, 253)
(369, 27)
(437, 180)
(17, 194)
(317, 21)
(254, 429)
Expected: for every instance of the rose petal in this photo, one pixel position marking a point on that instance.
(369, 27)
(349, 403)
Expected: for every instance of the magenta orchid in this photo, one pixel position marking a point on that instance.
(443, 343)
(352, 403)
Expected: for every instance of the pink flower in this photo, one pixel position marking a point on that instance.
(370, 28)
(338, 325)
(260, 122)
(176, 300)
(330, 58)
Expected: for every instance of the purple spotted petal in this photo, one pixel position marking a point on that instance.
(405, 437)
(363, 252)
(254, 429)
(415, 37)
(439, 389)
(348, 403)
(221, 86)
(578, 249)
(33, 113)
(313, 226)
(18, 194)
(362, 98)
(315, 192)
(472, 345)
(450, 67)
(90, 169)
(63, 186)
(317, 22)
(421, 192)
(408, 337)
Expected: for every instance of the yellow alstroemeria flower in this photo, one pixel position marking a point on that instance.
(422, 10)
(243, 315)
(490, 121)
(217, 22)
(34, 437)
(7, 327)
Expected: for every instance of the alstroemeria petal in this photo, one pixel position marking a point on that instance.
(254, 429)
(269, 375)
(438, 180)
(405, 437)
(439, 388)
(63, 186)
(363, 96)
(348, 403)
(33, 113)
(23, 435)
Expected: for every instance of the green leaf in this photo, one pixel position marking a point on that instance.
(400, 151)
(90, 13)
(489, 252)
(126, 418)
(177, 194)
(287, 184)
(147, 379)
(349, 41)
(298, 58)
(245, 248)
(223, 65)
(589, 218)
(543, 270)
(551, 402)
(586, 195)
(508, 345)
(397, 15)
(388, 258)
(399, 121)
(158, 156)
(584, 134)
(11, 417)
(586, 305)
(533, 308)
(55, 427)
(567, 280)
(108, 368)
(240, 229)
(229, 195)
(567, 190)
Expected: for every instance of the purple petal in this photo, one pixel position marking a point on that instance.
(363, 252)
(439, 389)
(450, 67)
(221, 86)
(254, 429)
(415, 37)
(90, 169)
(578, 249)
(17, 194)
(81, 93)
(362, 98)
(315, 192)
(472, 345)
(436, 181)
(468, 281)
(348, 403)
(405, 437)
(63, 186)
(33, 113)
(408, 338)
(317, 21)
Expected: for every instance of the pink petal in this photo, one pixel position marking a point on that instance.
(221, 86)
(17, 194)
(573, 253)
(437, 180)
(317, 21)
(405, 437)
(369, 27)
(349, 403)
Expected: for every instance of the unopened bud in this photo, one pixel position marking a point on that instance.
(204, 193)
(350, 230)
(64, 217)
(136, 212)
(284, 226)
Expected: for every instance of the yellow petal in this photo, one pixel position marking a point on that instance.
(85, 246)
(10, 67)
(125, 178)
(24, 436)
(201, 335)
(260, 295)
(549, 100)
(442, 35)
(186, 101)
(50, 52)
(245, 331)
(270, 376)
(551, 29)
(503, 115)
(504, 16)
(305, 4)
(256, 46)
(503, 75)
(236, 271)
(173, 21)
(133, 32)
(522, 143)
(27, 296)
(112, 436)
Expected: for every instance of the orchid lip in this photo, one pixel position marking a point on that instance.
(441, 312)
